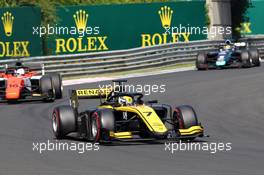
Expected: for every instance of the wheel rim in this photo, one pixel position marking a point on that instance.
(52, 95)
(53, 91)
(61, 85)
(54, 123)
(94, 128)
(61, 88)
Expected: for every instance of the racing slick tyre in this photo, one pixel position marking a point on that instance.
(246, 60)
(57, 83)
(201, 61)
(47, 88)
(184, 117)
(102, 122)
(254, 55)
(63, 121)
(3, 88)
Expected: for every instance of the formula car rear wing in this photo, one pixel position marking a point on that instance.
(38, 67)
(240, 44)
(94, 93)
(87, 94)
(237, 44)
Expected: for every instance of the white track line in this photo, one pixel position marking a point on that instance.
(133, 75)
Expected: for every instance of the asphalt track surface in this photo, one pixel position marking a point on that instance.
(230, 105)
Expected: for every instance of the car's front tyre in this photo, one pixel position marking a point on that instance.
(57, 83)
(47, 89)
(184, 117)
(201, 61)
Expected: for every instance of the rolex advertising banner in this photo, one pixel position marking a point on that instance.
(16, 38)
(82, 29)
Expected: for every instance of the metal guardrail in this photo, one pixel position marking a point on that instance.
(131, 59)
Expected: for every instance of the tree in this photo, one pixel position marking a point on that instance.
(238, 11)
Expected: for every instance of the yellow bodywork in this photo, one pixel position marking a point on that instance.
(36, 95)
(147, 114)
(191, 131)
(152, 120)
(121, 135)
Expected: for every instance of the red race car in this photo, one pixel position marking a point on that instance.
(20, 82)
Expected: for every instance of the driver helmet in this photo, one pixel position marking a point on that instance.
(20, 71)
(125, 100)
(227, 44)
(18, 64)
(227, 47)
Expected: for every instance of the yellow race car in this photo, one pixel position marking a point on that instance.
(124, 116)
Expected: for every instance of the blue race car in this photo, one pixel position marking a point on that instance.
(229, 55)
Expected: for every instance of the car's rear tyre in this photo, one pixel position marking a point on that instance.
(63, 121)
(254, 55)
(47, 88)
(246, 60)
(201, 61)
(102, 123)
(95, 128)
(185, 117)
(57, 83)
(3, 89)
